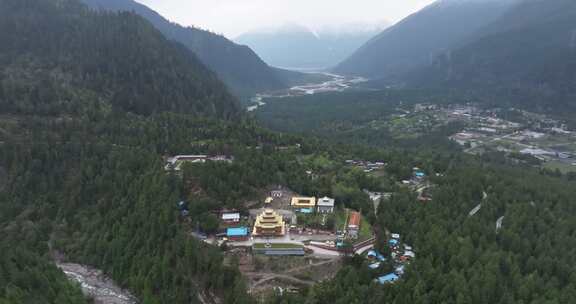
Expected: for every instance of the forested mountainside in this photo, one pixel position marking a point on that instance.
(464, 258)
(96, 193)
(532, 47)
(92, 105)
(57, 57)
(237, 65)
(419, 38)
(72, 79)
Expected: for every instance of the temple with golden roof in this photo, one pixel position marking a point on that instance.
(269, 223)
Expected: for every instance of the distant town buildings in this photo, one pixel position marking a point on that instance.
(366, 166)
(176, 162)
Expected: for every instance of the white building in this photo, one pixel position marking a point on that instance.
(325, 205)
(231, 218)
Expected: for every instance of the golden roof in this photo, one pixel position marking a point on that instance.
(303, 202)
(269, 219)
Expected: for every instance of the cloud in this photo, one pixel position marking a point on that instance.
(233, 17)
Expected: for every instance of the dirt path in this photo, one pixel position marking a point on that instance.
(285, 275)
(273, 276)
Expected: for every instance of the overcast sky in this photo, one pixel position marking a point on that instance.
(234, 17)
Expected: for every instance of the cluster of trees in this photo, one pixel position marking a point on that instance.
(101, 199)
(463, 258)
(360, 117)
(26, 276)
(95, 189)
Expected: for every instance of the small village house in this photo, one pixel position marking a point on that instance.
(389, 278)
(237, 234)
(353, 226)
(230, 218)
(325, 205)
(303, 204)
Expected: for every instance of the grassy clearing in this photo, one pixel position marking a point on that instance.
(340, 219)
(365, 230)
(563, 167)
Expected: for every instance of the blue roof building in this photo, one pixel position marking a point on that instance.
(374, 265)
(376, 255)
(393, 242)
(237, 232)
(420, 174)
(389, 278)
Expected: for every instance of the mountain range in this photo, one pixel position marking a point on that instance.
(532, 46)
(525, 47)
(419, 38)
(299, 47)
(237, 65)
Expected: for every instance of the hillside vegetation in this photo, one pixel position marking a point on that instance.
(57, 57)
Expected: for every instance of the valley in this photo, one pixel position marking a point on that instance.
(148, 161)
(336, 83)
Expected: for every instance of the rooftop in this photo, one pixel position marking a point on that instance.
(231, 216)
(240, 231)
(374, 265)
(303, 202)
(269, 222)
(326, 202)
(354, 219)
(389, 278)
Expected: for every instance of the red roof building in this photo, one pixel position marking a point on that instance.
(354, 219)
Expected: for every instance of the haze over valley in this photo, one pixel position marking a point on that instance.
(300, 48)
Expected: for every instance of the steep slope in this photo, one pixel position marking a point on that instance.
(417, 39)
(238, 66)
(533, 46)
(298, 47)
(57, 57)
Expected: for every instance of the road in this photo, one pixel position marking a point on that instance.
(267, 277)
(469, 150)
(363, 249)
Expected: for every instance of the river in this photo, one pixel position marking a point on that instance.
(96, 285)
(337, 83)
